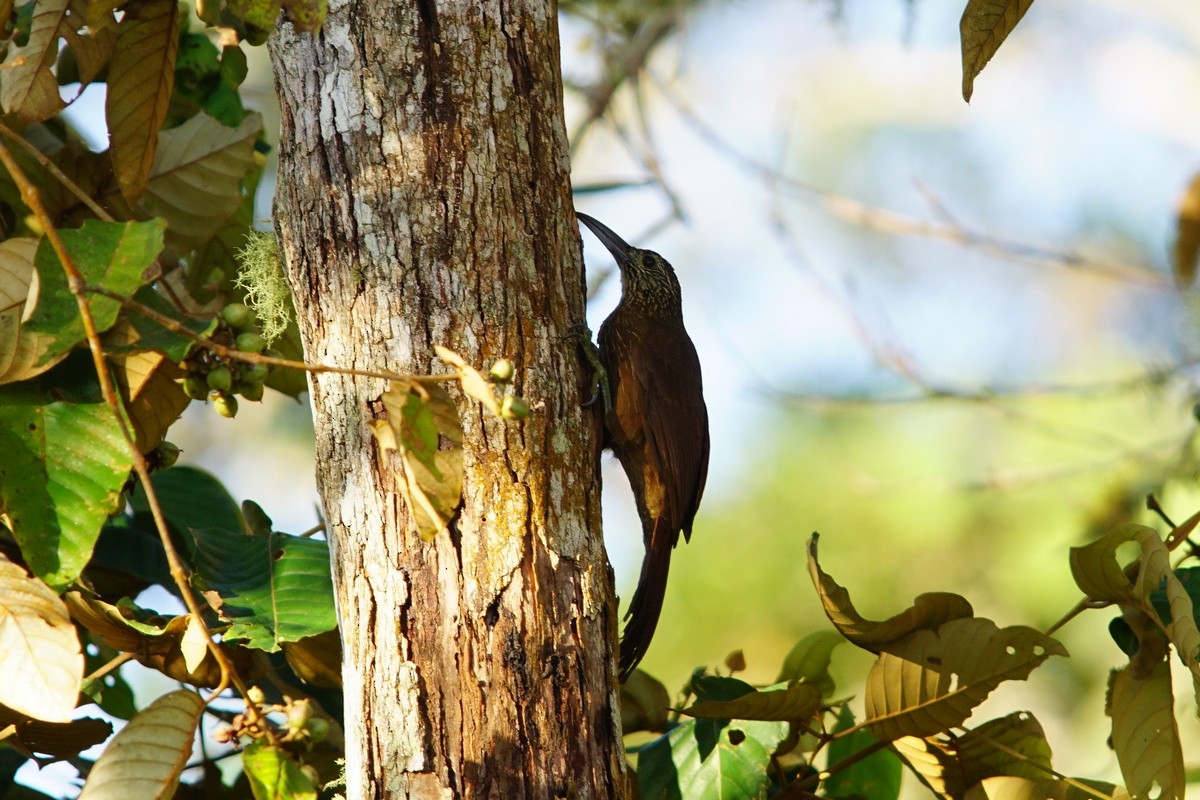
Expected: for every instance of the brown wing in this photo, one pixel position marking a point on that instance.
(659, 424)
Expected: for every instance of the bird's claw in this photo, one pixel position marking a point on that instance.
(600, 389)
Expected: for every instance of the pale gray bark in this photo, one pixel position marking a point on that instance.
(424, 199)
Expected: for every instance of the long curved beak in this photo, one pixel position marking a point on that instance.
(615, 244)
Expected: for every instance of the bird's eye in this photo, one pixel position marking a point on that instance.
(647, 260)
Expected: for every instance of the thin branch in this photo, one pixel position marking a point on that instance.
(891, 222)
(59, 175)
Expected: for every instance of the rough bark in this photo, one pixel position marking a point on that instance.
(424, 199)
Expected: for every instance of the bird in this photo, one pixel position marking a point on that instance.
(655, 420)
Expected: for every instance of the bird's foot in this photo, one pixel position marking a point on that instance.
(583, 336)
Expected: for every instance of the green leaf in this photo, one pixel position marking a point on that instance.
(140, 79)
(152, 336)
(273, 775)
(114, 255)
(876, 777)
(191, 499)
(782, 702)
(61, 476)
(984, 26)
(196, 181)
(272, 588)
(710, 759)
(809, 661)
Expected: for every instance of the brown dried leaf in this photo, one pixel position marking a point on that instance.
(316, 659)
(29, 90)
(425, 432)
(928, 611)
(1101, 577)
(644, 704)
(140, 78)
(148, 384)
(472, 382)
(796, 702)
(1005, 788)
(984, 26)
(1187, 235)
(58, 739)
(931, 681)
(1145, 735)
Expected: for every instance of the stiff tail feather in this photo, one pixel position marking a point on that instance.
(647, 602)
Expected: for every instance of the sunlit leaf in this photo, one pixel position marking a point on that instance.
(140, 77)
(28, 89)
(928, 611)
(43, 661)
(60, 477)
(710, 758)
(984, 26)
(114, 255)
(145, 759)
(474, 384)
(1145, 735)
(1005, 788)
(424, 431)
(274, 774)
(148, 384)
(271, 588)
(931, 681)
(1101, 577)
(21, 349)
(195, 182)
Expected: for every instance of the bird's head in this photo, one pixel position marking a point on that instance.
(647, 280)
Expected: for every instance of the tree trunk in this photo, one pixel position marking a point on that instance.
(424, 198)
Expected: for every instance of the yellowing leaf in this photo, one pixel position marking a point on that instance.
(1187, 235)
(984, 26)
(28, 89)
(1005, 788)
(931, 681)
(1014, 745)
(195, 183)
(1096, 571)
(145, 759)
(1145, 735)
(194, 644)
(273, 773)
(20, 348)
(42, 665)
(472, 382)
(927, 612)
(425, 432)
(140, 78)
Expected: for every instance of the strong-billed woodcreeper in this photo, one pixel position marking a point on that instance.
(655, 420)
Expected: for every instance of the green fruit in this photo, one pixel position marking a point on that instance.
(237, 316)
(513, 407)
(195, 386)
(502, 371)
(250, 342)
(220, 379)
(251, 391)
(255, 373)
(318, 729)
(225, 404)
(255, 695)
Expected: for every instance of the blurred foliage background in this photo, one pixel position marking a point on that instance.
(943, 335)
